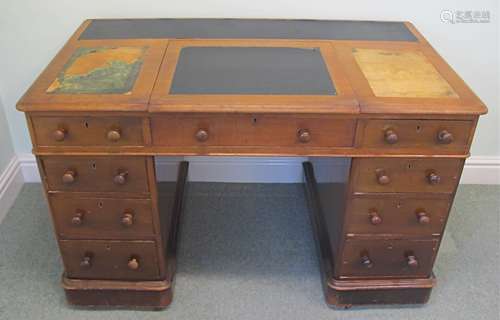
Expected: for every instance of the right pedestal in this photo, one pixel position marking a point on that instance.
(378, 231)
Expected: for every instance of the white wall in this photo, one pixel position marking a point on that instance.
(6, 148)
(32, 31)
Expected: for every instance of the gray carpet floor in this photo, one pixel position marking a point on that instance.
(247, 252)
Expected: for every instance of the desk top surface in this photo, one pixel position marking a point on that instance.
(229, 65)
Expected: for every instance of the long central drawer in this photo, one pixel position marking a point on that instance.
(182, 130)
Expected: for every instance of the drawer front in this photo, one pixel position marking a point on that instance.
(443, 135)
(96, 174)
(110, 260)
(248, 130)
(406, 175)
(384, 258)
(104, 218)
(88, 131)
(396, 215)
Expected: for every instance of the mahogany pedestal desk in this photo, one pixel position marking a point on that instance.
(123, 91)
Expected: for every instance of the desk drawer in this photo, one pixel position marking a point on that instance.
(105, 218)
(442, 135)
(96, 174)
(110, 260)
(396, 215)
(406, 174)
(88, 131)
(384, 258)
(248, 130)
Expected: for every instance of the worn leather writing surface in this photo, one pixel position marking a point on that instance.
(251, 70)
(246, 29)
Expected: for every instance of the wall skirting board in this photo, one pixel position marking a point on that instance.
(11, 182)
(23, 168)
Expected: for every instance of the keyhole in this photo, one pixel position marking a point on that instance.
(93, 165)
(86, 124)
(419, 128)
(100, 205)
(254, 120)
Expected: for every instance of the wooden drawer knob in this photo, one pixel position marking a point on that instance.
(411, 261)
(133, 263)
(390, 136)
(444, 137)
(366, 261)
(59, 134)
(86, 262)
(375, 219)
(77, 219)
(114, 135)
(120, 178)
(423, 217)
(127, 219)
(433, 178)
(382, 177)
(69, 177)
(304, 135)
(201, 135)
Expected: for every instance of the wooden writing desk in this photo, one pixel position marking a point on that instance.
(123, 91)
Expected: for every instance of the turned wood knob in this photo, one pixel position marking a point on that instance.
(444, 137)
(77, 219)
(412, 261)
(201, 135)
(433, 178)
(304, 135)
(423, 218)
(390, 136)
(375, 219)
(69, 177)
(366, 261)
(121, 178)
(133, 263)
(382, 177)
(86, 262)
(127, 219)
(114, 135)
(59, 134)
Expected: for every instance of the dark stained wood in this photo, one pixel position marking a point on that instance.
(347, 293)
(128, 294)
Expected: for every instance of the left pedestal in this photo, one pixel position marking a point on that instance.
(116, 228)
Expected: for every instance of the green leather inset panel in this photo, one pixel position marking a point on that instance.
(102, 70)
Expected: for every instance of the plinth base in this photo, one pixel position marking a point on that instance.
(347, 293)
(146, 294)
